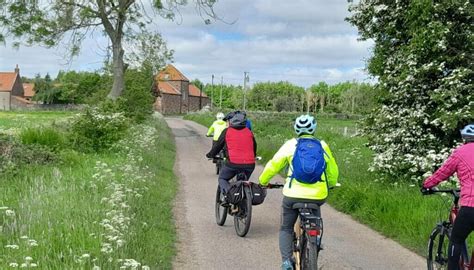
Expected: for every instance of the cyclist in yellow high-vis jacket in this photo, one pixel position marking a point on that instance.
(295, 191)
(216, 128)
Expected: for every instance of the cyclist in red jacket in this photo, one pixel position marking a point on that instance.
(460, 162)
(240, 149)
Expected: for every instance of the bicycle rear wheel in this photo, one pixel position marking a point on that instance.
(221, 211)
(438, 249)
(243, 218)
(309, 254)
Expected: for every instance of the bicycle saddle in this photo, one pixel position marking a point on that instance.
(305, 206)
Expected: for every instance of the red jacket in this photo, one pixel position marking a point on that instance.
(239, 145)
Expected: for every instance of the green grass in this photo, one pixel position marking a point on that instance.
(395, 209)
(12, 122)
(66, 208)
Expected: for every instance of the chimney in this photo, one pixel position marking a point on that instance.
(17, 70)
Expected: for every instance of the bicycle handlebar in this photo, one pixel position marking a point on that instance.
(222, 158)
(273, 186)
(430, 191)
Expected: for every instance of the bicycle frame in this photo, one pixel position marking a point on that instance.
(308, 227)
(466, 263)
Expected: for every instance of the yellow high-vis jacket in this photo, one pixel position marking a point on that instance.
(216, 128)
(284, 157)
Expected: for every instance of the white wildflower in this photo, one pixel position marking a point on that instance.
(13, 264)
(32, 243)
(12, 246)
(10, 213)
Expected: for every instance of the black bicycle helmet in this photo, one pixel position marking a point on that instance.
(238, 119)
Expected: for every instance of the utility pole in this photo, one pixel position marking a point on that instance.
(246, 80)
(212, 90)
(222, 82)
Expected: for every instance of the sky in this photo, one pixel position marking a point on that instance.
(300, 41)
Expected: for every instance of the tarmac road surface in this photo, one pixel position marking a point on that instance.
(202, 244)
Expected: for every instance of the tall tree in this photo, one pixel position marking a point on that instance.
(423, 59)
(48, 22)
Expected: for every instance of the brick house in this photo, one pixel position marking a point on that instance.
(11, 89)
(29, 90)
(175, 94)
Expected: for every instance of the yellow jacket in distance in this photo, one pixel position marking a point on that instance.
(284, 157)
(216, 128)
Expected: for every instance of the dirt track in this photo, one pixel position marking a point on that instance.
(204, 245)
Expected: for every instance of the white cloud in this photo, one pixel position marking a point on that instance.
(303, 41)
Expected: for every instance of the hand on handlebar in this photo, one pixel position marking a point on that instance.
(426, 191)
(270, 186)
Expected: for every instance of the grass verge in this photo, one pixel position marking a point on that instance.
(94, 211)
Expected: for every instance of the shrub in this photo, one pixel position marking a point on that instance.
(14, 154)
(424, 80)
(137, 100)
(45, 136)
(97, 129)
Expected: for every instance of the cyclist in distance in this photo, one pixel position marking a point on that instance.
(461, 162)
(296, 190)
(240, 149)
(217, 127)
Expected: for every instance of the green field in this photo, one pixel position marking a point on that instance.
(110, 209)
(396, 209)
(18, 120)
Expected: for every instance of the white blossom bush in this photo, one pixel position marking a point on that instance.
(423, 60)
(97, 129)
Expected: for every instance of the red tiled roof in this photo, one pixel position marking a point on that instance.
(195, 91)
(29, 89)
(7, 80)
(167, 88)
(170, 73)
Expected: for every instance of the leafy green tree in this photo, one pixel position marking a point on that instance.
(232, 96)
(50, 22)
(277, 96)
(148, 50)
(423, 59)
(320, 91)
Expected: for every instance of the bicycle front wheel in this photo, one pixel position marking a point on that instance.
(221, 211)
(218, 167)
(243, 218)
(438, 249)
(309, 255)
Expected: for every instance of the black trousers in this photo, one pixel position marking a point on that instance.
(227, 173)
(463, 226)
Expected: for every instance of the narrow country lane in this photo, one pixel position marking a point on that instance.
(204, 245)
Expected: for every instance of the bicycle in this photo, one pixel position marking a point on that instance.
(440, 235)
(218, 161)
(308, 233)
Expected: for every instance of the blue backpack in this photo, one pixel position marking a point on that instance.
(308, 161)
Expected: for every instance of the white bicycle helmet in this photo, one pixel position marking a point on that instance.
(305, 124)
(467, 133)
(220, 116)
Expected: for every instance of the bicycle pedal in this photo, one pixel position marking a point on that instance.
(234, 209)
